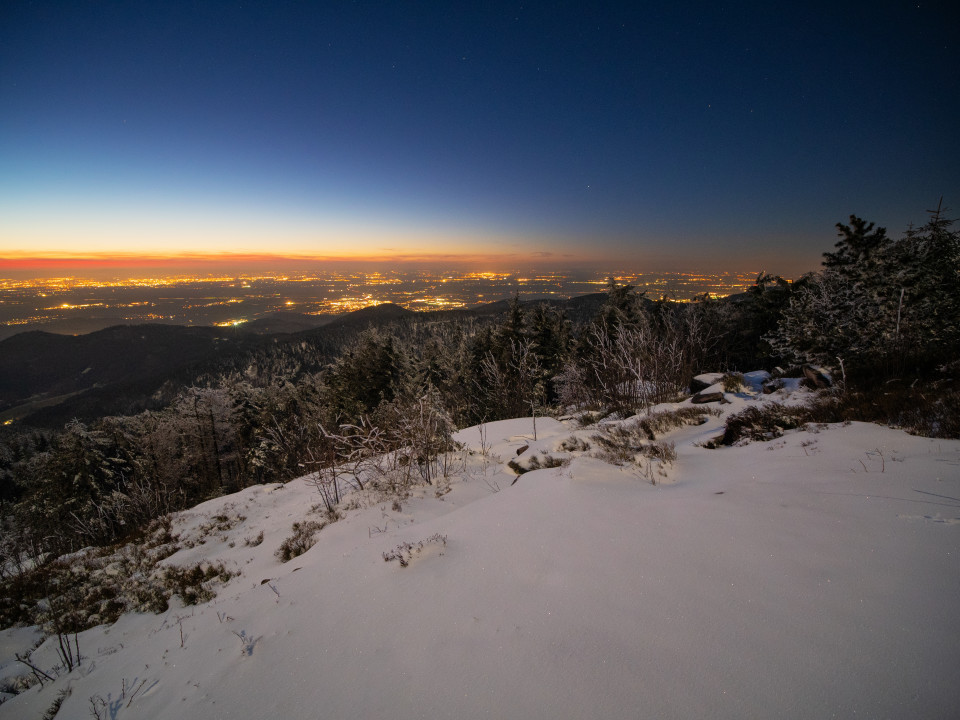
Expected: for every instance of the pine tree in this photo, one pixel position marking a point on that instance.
(72, 491)
(859, 248)
(365, 375)
(879, 307)
(550, 343)
(925, 273)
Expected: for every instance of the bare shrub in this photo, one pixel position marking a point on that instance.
(302, 539)
(654, 458)
(647, 361)
(658, 423)
(407, 441)
(571, 386)
(405, 552)
(929, 409)
(732, 382)
(665, 452)
(54, 708)
(621, 442)
(592, 418)
(574, 444)
(535, 462)
(762, 422)
(634, 442)
(331, 456)
(192, 584)
(96, 586)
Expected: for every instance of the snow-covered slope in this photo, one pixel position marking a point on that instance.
(816, 575)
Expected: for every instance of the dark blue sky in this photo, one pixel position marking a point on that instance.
(667, 136)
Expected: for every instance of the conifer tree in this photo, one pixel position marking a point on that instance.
(879, 307)
(859, 248)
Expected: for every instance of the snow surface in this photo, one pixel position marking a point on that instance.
(816, 575)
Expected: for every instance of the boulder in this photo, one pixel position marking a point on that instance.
(771, 386)
(816, 377)
(702, 382)
(702, 398)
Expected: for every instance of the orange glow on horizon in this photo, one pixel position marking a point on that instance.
(37, 262)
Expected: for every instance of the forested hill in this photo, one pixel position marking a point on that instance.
(40, 366)
(46, 379)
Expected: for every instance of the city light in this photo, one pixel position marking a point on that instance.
(229, 301)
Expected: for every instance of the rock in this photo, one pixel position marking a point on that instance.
(701, 398)
(702, 382)
(698, 385)
(816, 377)
(771, 386)
(756, 379)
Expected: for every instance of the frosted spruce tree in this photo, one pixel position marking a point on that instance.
(879, 307)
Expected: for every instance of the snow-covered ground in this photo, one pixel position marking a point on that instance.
(813, 576)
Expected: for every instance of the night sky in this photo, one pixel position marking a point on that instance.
(665, 136)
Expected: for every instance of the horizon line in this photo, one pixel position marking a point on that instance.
(22, 263)
(20, 258)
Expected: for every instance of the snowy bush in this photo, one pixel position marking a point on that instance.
(54, 707)
(300, 541)
(574, 444)
(405, 552)
(254, 541)
(535, 462)
(96, 586)
(192, 585)
(762, 422)
(732, 382)
(624, 443)
(660, 422)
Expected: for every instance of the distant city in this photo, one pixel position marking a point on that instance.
(76, 305)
